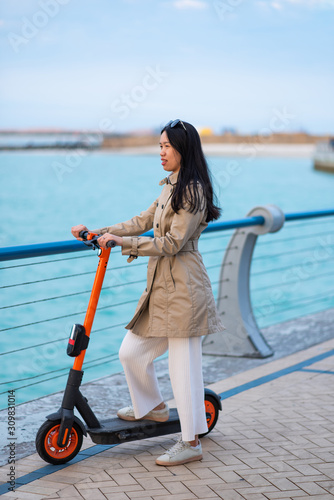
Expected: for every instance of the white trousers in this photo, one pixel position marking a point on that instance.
(185, 370)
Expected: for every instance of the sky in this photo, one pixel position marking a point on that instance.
(132, 65)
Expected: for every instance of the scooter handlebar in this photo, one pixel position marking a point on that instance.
(84, 234)
(111, 244)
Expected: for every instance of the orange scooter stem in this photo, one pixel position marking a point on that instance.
(72, 396)
(93, 301)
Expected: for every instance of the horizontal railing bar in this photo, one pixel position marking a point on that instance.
(113, 357)
(40, 249)
(40, 262)
(290, 282)
(234, 224)
(74, 294)
(52, 248)
(280, 269)
(308, 215)
(66, 316)
(284, 240)
(290, 252)
(311, 300)
(118, 325)
(47, 279)
(57, 370)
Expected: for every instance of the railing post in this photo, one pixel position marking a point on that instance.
(242, 336)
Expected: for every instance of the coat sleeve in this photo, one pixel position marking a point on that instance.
(135, 226)
(183, 226)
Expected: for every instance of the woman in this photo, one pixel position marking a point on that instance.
(177, 307)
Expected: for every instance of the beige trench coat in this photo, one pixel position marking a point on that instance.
(178, 300)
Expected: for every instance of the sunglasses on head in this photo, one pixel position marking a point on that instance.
(173, 123)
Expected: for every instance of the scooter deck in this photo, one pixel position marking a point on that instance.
(116, 431)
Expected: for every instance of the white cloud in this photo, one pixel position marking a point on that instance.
(190, 4)
(313, 4)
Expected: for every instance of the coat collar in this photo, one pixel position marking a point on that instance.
(171, 179)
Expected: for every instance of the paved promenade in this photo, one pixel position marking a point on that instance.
(274, 440)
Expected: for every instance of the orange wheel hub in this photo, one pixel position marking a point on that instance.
(53, 449)
(210, 413)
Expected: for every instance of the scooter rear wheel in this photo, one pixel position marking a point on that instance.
(212, 412)
(46, 443)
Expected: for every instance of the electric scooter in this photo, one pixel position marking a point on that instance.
(60, 438)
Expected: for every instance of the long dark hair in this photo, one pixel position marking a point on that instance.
(194, 169)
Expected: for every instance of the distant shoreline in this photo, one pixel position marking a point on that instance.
(300, 145)
(246, 150)
(284, 143)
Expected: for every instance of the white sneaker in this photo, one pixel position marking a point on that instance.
(128, 413)
(181, 453)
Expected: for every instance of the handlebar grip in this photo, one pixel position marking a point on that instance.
(83, 234)
(111, 244)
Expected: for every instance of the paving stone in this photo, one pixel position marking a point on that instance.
(42, 487)
(146, 493)
(306, 479)
(174, 477)
(313, 489)
(69, 492)
(91, 486)
(202, 491)
(281, 466)
(326, 485)
(283, 483)
(257, 489)
(93, 494)
(176, 487)
(123, 479)
(318, 497)
(256, 480)
(149, 483)
(226, 476)
(121, 496)
(119, 489)
(100, 477)
(254, 496)
(181, 496)
(263, 471)
(277, 495)
(65, 476)
(226, 494)
(163, 474)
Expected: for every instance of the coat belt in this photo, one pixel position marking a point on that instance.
(190, 246)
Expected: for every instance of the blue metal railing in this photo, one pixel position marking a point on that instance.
(308, 215)
(41, 249)
(53, 248)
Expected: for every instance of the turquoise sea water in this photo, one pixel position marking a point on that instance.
(44, 194)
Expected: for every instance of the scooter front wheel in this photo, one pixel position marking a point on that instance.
(46, 443)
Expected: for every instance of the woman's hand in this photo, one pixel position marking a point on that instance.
(76, 230)
(103, 240)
